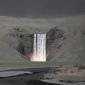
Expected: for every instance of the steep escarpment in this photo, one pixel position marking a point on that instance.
(65, 38)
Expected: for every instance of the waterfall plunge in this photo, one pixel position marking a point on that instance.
(39, 48)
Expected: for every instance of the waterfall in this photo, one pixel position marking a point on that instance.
(39, 48)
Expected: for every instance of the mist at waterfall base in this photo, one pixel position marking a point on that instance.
(39, 48)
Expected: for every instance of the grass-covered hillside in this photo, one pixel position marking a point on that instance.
(65, 40)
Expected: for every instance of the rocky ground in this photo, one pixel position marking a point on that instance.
(58, 76)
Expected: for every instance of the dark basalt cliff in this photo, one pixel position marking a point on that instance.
(22, 41)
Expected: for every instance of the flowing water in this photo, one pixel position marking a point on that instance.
(39, 48)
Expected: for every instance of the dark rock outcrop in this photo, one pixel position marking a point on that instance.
(55, 38)
(22, 41)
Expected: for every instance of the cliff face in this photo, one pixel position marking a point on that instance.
(21, 41)
(70, 47)
(65, 38)
(66, 46)
(55, 39)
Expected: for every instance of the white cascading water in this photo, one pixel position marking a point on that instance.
(39, 48)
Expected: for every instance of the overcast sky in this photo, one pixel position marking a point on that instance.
(42, 8)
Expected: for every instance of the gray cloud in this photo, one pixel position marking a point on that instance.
(42, 8)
